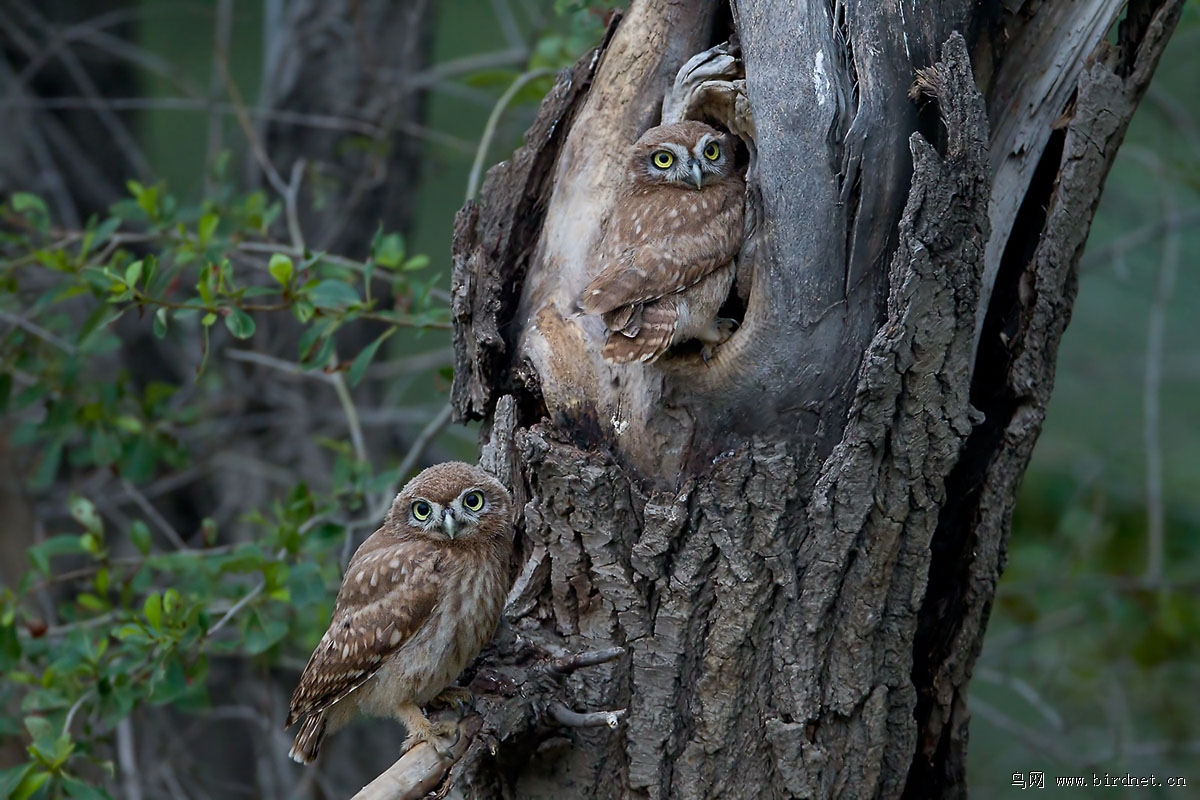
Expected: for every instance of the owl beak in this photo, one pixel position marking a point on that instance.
(449, 523)
(696, 173)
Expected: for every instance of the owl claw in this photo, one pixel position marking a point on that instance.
(435, 734)
(456, 697)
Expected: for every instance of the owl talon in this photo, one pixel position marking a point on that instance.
(456, 697)
(435, 734)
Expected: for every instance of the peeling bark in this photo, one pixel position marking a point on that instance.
(797, 543)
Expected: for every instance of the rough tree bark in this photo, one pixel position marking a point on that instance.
(797, 544)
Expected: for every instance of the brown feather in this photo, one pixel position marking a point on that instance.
(365, 628)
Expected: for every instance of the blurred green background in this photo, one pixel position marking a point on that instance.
(1092, 660)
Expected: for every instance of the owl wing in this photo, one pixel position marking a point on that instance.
(668, 256)
(390, 590)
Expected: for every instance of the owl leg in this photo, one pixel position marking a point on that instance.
(420, 729)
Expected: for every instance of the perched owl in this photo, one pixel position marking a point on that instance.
(666, 256)
(420, 598)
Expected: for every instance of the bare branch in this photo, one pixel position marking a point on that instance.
(214, 140)
(592, 719)
(127, 757)
(489, 130)
(236, 607)
(421, 769)
(150, 511)
(37, 330)
(565, 665)
(300, 119)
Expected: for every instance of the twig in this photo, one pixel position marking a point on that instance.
(1152, 378)
(564, 665)
(243, 119)
(338, 381)
(214, 140)
(37, 330)
(1034, 739)
(1026, 691)
(112, 123)
(592, 719)
(282, 365)
(1178, 221)
(437, 73)
(427, 435)
(489, 130)
(78, 704)
(236, 607)
(127, 757)
(150, 511)
(291, 204)
(508, 23)
(297, 118)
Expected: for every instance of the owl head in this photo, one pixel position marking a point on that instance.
(685, 154)
(450, 502)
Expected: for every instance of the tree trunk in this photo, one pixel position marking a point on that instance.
(796, 543)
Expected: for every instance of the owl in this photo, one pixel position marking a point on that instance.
(666, 255)
(420, 598)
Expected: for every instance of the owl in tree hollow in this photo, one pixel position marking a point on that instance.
(666, 257)
(420, 598)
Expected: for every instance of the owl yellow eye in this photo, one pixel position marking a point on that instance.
(662, 159)
(473, 501)
(711, 151)
(421, 510)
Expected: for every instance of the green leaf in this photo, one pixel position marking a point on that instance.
(83, 791)
(239, 323)
(48, 468)
(84, 512)
(139, 534)
(40, 554)
(207, 227)
(29, 784)
(133, 273)
(208, 530)
(303, 310)
(261, 634)
(146, 198)
(388, 251)
(11, 778)
(33, 207)
(41, 734)
(363, 359)
(208, 319)
(416, 263)
(281, 269)
(91, 602)
(334, 295)
(152, 608)
(160, 323)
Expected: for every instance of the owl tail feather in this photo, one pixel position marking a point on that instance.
(653, 337)
(308, 739)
